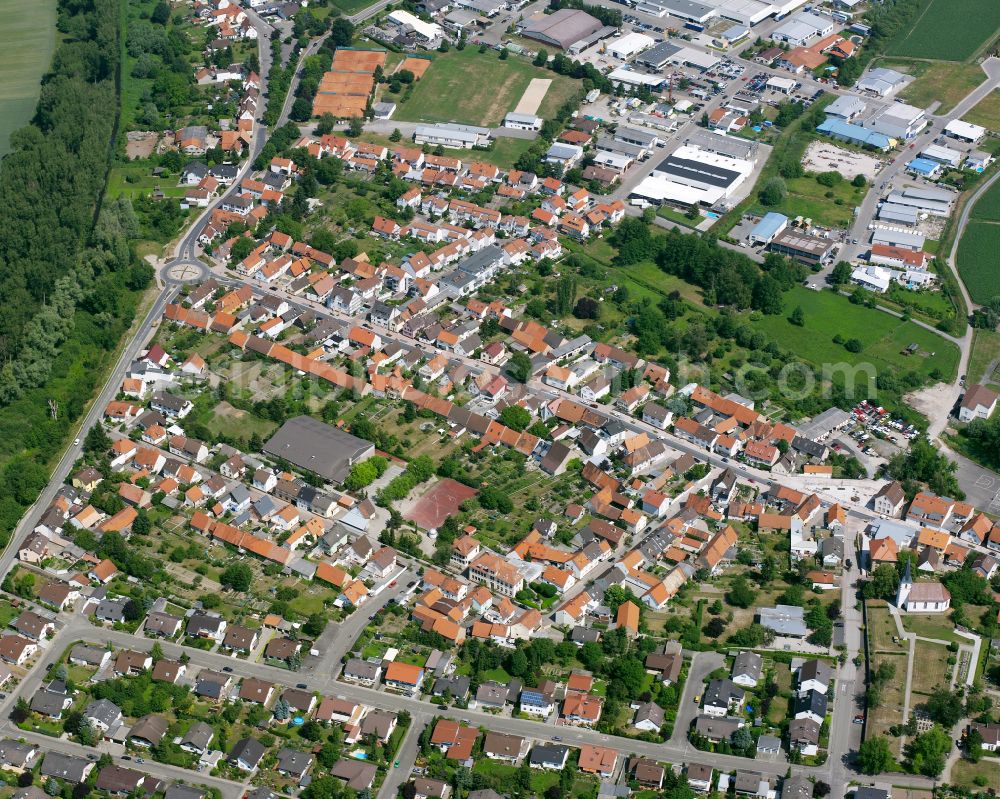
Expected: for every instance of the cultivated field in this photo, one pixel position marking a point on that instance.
(977, 259)
(948, 30)
(479, 89)
(27, 40)
(987, 207)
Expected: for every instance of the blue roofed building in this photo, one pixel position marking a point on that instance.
(924, 167)
(770, 225)
(854, 134)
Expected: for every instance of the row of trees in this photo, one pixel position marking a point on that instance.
(49, 185)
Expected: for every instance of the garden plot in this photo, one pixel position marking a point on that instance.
(825, 157)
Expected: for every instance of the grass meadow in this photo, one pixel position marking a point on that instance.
(986, 112)
(883, 337)
(479, 89)
(945, 81)
(27, 41)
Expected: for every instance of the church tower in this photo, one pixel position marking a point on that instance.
(904, 588)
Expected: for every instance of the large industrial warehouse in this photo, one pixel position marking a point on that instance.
(562, 29)
(694, 176)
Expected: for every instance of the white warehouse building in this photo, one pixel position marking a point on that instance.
(427, 31)
(694, 176)
(629, 45)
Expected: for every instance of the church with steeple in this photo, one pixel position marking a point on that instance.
(922, 597)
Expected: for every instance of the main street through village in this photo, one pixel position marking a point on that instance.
(319, 672)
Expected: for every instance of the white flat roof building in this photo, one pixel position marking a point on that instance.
(898, 238)
(691, 175)
(745, 12)
(452, 135)
(522, 121)
(881, 81)
(428, 31)
(632, 78)
(618, 162)
(689, 10)
(898, 121)
(873, 278)
(966, 131)
(629, 45)
(785, 85)
(802, 27)
(943, 155)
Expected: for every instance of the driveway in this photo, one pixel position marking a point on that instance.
(702, 664)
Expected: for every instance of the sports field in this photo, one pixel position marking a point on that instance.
(977, 260)
(883, 337)
(27, 40)
(948, 30)
(479, 89)
(438, 503)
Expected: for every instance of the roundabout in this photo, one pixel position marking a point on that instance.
(184, 271)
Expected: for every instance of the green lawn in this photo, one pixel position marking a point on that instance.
(932, 304)
(931, 668)
(347, 6)
(931, 625)
(235, 423)
(945, 81)
(985, 350)
(986, 112)
(808, 198)
(976, 255)
(479, 89)
(948, 30)
(883, 337)
(135, 180)
(541, 779)
(964, 774)
(27, 41)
